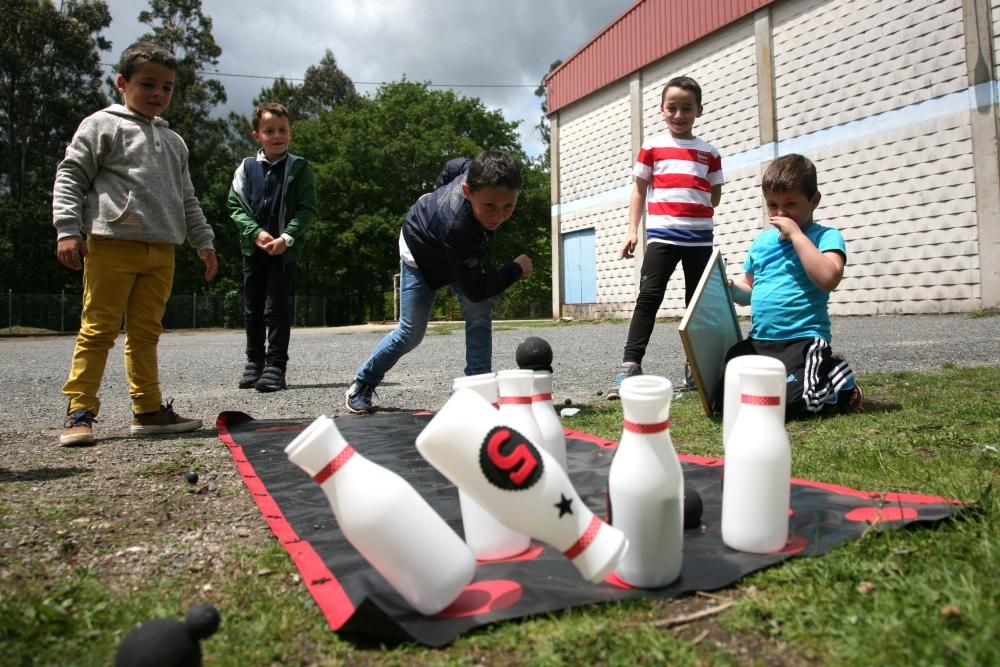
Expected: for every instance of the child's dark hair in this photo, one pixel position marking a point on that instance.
(140, 53)
(491, 168)
(273, 108)
(790, 173)
(684, 83)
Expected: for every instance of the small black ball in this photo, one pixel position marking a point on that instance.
(202, 620)
(693, 508)
(191, 477)
(535, 354)
(567, 402)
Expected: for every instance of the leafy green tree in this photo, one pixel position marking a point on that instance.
(373, 157)
(544, 127)
(214, 145)
(325, 86)
(50, 79)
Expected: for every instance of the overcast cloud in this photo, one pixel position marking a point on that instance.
(437, 41)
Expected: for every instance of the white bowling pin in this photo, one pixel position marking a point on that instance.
(758, 467)
(731, 388)
(486, 536)
(646, 486)
(386, 520)
(516, 388)
(518, 482)
(553, 438)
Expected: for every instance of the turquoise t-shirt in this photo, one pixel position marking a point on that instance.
(784, 303)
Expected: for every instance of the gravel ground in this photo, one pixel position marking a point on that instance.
(123, 510)
(200, 369)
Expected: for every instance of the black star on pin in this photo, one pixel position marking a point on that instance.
(564, 505)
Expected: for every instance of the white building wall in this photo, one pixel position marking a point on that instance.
(875, 92)
(995, 13)
(725, 67)
(904, 198)
(594, 143)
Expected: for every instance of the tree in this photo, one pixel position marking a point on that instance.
(373, 157)
(50, 79)
(214, 148)
(324, 87)
(543, 126)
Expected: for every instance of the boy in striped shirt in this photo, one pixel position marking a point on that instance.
(678, 177)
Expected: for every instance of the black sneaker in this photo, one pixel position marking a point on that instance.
(251, 373)
(359, 398)
(628, 369)
(272, 379)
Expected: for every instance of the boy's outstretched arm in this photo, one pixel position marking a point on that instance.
(635, 208)
(825, 269)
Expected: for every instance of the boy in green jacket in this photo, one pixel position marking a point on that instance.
(273, 202)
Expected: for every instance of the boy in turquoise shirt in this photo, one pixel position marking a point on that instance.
(788, 276)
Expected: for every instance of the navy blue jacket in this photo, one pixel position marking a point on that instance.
(448, 243)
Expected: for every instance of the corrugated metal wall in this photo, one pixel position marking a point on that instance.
(645, 32)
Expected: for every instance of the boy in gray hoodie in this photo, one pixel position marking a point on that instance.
(124, 183)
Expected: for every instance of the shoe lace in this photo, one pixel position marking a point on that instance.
(79, 418)
(168, 407)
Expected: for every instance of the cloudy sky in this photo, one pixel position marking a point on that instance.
(507, 44)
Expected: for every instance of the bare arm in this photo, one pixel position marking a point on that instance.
(716, 195)
(740, 290)
(825, 269)
(636, 206)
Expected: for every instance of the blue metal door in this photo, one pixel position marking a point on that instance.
(579, 267)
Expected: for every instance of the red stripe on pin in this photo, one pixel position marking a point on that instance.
(635, 427)
(333, 466)
(752, 399)
(515, 400)
(541, 397)
(585, 540)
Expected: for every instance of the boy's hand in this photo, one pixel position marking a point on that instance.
(211, 263)
(628, 247)
(263, 238)
(786, 227)
(71, 250)
(277, 246)
(525, 263)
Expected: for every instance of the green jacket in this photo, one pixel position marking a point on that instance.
(298, 206)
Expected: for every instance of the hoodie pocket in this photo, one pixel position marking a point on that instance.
(113, 217)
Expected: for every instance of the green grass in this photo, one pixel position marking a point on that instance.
(926, 596)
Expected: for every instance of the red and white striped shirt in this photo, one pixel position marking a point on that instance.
(681, 174)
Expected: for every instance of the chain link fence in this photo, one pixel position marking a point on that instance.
(60, 313)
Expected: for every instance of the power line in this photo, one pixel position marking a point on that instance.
(359, 83)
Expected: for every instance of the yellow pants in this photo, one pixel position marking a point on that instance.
(121, 279)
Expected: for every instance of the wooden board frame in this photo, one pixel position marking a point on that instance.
(708, 329)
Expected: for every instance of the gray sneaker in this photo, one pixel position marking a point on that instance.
(359, 398)
(628, 369)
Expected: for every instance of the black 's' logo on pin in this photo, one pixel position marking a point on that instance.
(509, 460)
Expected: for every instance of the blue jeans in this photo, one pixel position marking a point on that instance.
(416, 299)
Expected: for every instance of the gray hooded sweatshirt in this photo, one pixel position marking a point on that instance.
(126, 177)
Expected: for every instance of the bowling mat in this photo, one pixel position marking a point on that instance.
(358, 602)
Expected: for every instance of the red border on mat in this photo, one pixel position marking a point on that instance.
(319, 580)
